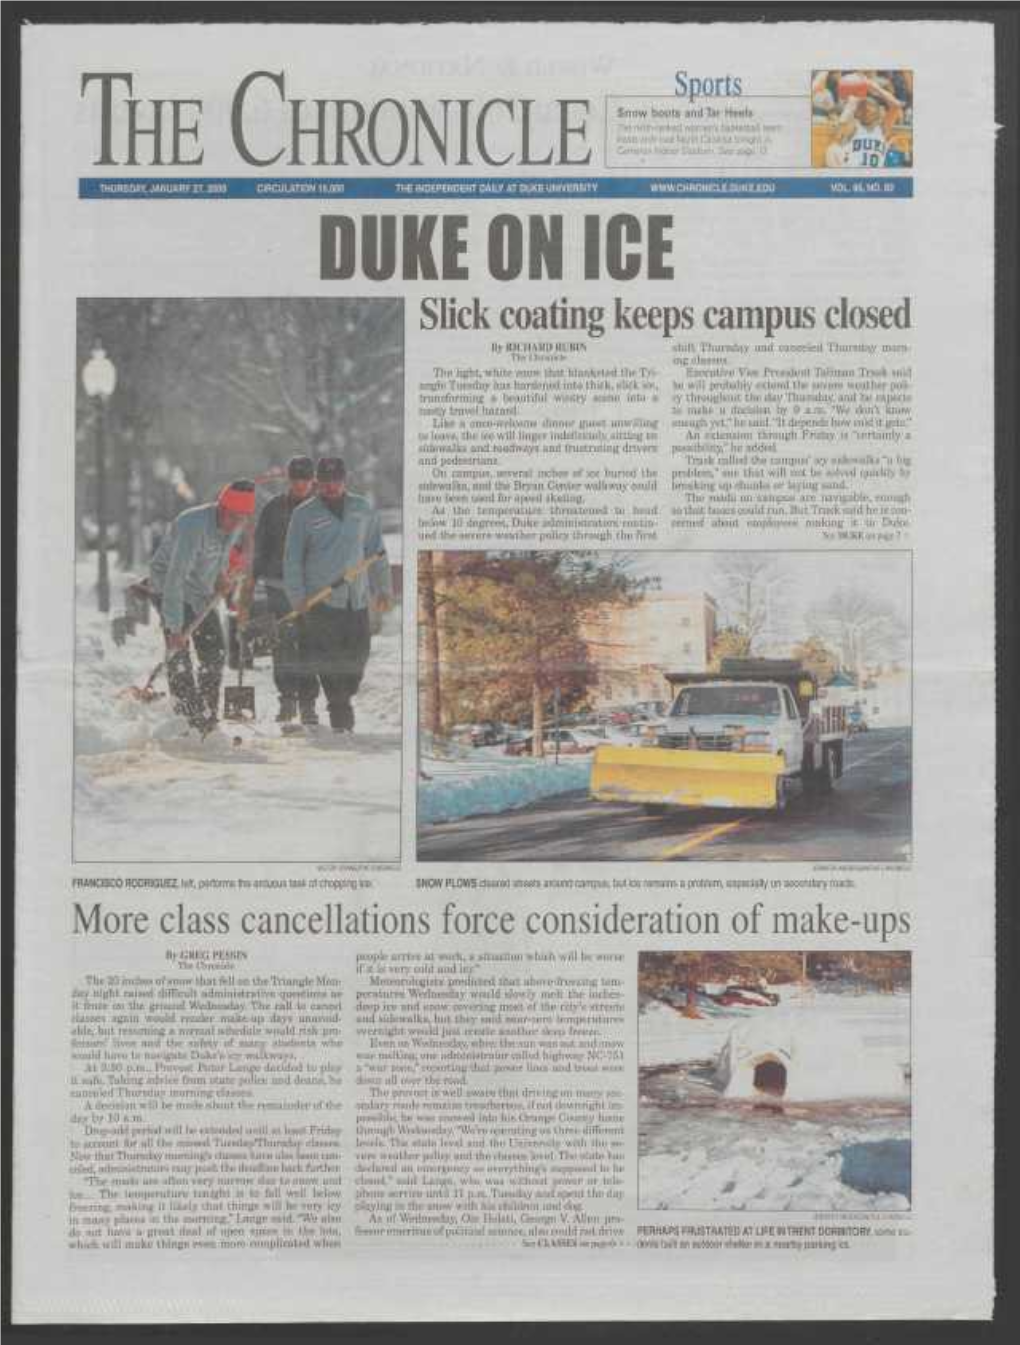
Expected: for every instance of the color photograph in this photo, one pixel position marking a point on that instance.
(774, 1081)
(237, 681)
(668, 706)
(862, 119)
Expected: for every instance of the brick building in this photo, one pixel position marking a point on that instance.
(634, 646)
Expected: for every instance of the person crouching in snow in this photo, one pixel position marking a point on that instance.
(190, 569)
(328, 536)
(296, 689)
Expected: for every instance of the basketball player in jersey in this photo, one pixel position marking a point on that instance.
(869, 115)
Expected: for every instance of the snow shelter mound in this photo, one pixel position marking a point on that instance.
(807, 1062)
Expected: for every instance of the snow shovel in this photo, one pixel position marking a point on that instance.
(239, 701)
(271, 628)
(146, 691)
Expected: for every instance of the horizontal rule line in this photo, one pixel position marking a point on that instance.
(395, 188)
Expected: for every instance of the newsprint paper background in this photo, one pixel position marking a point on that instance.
(585, 910)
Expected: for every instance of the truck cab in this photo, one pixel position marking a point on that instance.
(735, 716)
(731, 739)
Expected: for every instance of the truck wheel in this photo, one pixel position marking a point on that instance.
(825, 776)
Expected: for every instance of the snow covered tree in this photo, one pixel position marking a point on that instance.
(148, 340)
(860, 626)
(319, 376)
(221, 388)
(751, 588)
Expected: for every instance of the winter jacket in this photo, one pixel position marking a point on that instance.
(188, 561)
(321, 546)
(270, 536)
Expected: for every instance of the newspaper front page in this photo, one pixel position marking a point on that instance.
(505, 722)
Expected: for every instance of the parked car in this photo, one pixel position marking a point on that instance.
(640, 730)
(592, 727)
(571, 743)
(617, 715)
(485, 734)
(646, 710)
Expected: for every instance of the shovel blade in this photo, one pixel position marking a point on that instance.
(238, 702)
(143, 694)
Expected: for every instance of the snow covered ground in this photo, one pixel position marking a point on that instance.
(144, 791)
(700, 1150)
(485, 780)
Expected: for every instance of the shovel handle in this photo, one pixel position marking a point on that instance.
(323, 593)
(188, 632)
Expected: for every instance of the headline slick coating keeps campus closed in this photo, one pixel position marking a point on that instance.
(449, 314)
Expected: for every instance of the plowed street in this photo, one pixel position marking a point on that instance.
(866, 818)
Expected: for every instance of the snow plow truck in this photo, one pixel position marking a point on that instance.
(732, 739)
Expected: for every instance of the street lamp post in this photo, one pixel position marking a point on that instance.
(99, 378)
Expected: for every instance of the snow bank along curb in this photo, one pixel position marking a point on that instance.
(498, 789)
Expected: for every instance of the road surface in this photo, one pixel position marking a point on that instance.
(866, 818)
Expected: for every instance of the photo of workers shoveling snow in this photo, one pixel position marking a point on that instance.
(237, 690)
(774, 1081)
(664, 706)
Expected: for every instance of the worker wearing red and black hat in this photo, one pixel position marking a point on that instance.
(330, 536)
(296, 689)
(190, 569)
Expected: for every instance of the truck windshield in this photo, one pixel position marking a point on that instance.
(727, 700)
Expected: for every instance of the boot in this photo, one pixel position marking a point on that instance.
(208, 682)
(288, 709)
(308, 712)
(203, 724)
(341, 716)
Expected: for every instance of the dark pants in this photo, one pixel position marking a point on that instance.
(335, 644)
(198, 699)
(293, 683)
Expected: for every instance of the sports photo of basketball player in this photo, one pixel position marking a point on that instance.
(862, 119)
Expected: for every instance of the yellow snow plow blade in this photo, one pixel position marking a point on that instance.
(685, 779)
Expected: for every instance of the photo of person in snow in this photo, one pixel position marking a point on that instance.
(190, 571)
(193, 669)
(334, 541)
(296, 689)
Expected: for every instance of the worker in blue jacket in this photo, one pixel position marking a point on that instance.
(328, 537)
(190, 569)
(297, 691)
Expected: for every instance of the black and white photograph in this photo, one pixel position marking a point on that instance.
(237, 687)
